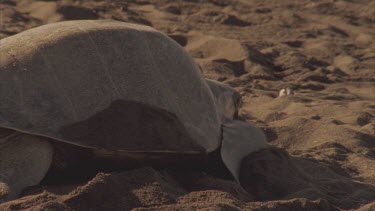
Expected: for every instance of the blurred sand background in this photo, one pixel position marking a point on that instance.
(324, 134)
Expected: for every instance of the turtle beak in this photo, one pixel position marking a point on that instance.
(239, 140)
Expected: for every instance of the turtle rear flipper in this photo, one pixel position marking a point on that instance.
(239, 140)
(24, 161)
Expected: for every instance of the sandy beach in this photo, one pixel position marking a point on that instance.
(322, 136)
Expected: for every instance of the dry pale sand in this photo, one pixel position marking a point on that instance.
(324, 134)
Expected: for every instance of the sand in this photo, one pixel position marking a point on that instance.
(323, 136)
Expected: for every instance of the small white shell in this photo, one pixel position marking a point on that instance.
(286, 91)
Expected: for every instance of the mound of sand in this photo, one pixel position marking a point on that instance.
(323, 135)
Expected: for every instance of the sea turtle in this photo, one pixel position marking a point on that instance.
(119, 92)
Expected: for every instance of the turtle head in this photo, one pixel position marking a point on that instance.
(240, 139)
(227, 100)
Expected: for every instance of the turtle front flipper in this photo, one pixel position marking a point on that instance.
(239, 140)
(24, 161)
